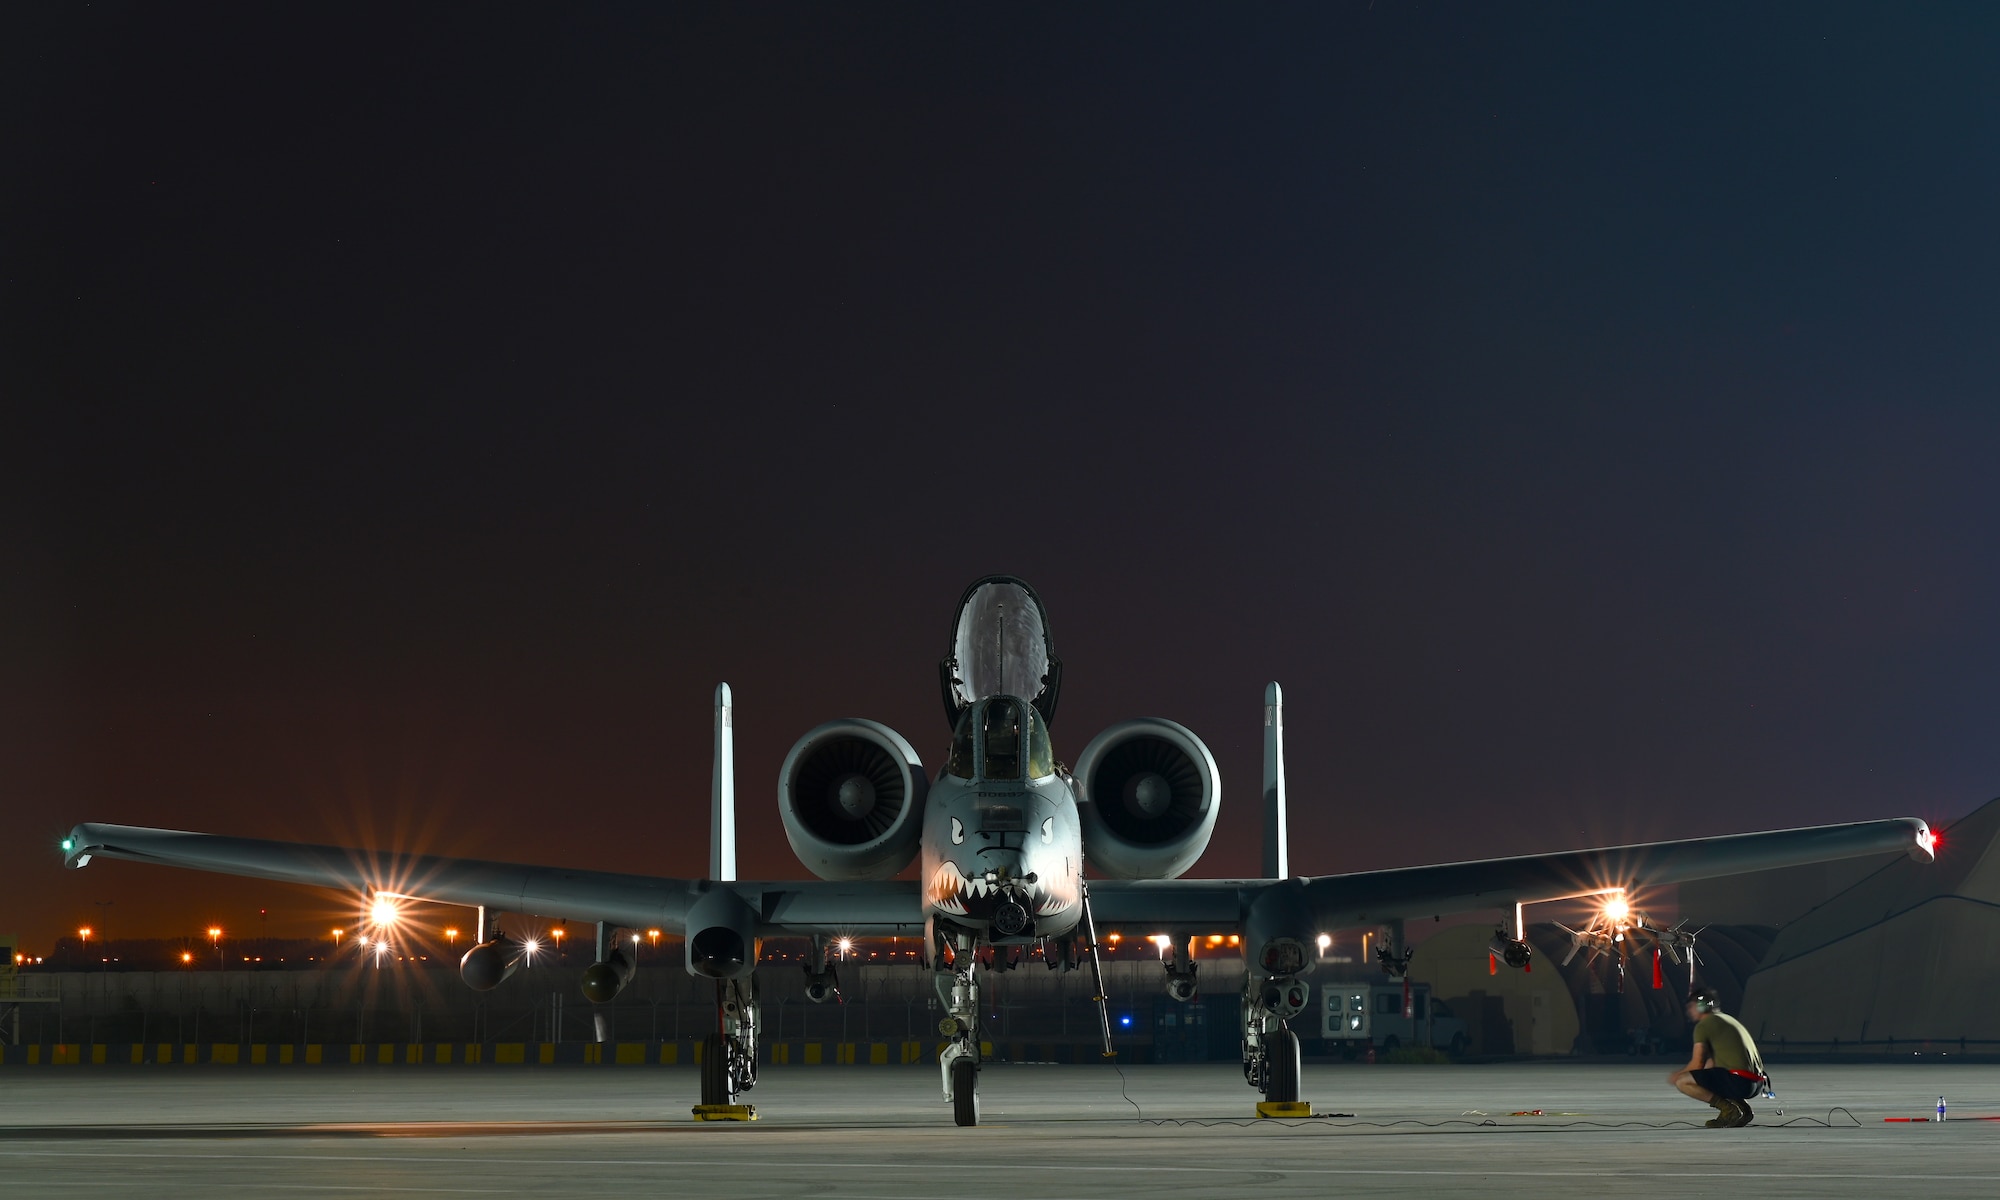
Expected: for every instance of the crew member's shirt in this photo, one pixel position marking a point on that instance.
(1731, 1044)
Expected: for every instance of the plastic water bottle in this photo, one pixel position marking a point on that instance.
(1940, 1108)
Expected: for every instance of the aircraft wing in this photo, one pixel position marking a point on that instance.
(635, 901)
(1368, 897)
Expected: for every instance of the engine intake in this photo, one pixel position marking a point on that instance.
(851, 793)
(1150, 792)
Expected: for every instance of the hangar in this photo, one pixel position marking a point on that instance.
(1907, 958)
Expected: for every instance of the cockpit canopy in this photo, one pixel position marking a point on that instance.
(1000, 646)
(1002, 739)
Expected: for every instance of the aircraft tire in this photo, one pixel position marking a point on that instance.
(714, 1069)
(1281, 1056)
(965, 1092)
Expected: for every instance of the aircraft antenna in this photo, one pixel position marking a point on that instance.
(722, 793)
(1277, 851)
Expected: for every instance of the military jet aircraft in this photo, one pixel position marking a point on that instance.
(1003, 833)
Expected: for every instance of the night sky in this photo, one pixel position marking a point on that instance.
(408, 415)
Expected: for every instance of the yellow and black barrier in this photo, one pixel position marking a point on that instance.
(624, 1054)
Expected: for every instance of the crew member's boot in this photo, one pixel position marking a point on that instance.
(1743, 1114)
(1725, 1117)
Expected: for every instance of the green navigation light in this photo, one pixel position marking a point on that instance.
(69, 844)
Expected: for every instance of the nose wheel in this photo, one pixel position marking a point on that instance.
(965, 1092)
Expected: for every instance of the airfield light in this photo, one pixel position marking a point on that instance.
(1161, 940)
(1616, 909)
(1114, 938)
(186, 957)
(529, 947)
(451, 938)
(84, 933)
(1325, 941)
(383, 912)
(1235, 940)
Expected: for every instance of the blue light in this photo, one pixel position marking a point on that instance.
(1124, 1020)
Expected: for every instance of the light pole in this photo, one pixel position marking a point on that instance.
(451, 939)
(215, 939)
(336, 941)
(653, 941)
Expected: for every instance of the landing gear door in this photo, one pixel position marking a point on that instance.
(1000, 647)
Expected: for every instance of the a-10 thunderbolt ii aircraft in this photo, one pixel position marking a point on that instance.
(1004, 832)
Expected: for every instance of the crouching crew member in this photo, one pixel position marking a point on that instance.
(1726, 1069)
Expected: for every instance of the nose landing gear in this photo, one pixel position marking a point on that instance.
(958, 988)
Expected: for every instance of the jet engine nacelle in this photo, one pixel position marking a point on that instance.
(852, 796)
(487, 965)
(1149, 792)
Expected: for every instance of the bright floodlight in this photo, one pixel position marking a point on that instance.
(846, 944)
(1616, 909)
(383, 911)
(1325, 940)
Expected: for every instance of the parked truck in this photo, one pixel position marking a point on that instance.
(1354, 1016)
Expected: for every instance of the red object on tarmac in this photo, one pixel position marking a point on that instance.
(1492, 964)
(1659, 981)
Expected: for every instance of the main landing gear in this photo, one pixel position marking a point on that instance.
(729, 1055)
(1270, 1048)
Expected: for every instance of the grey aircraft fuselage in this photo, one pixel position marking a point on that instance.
(1002, 845)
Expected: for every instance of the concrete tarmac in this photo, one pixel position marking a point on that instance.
(1051, 1132)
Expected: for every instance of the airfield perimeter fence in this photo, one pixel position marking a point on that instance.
(1029, 1012)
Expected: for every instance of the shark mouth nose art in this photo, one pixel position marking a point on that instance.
(952, 891)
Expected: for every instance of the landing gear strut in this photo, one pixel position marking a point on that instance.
(729, 1055)
(958, 989)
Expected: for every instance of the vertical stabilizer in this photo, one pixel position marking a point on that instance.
(1277, 854)
(722, 812)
